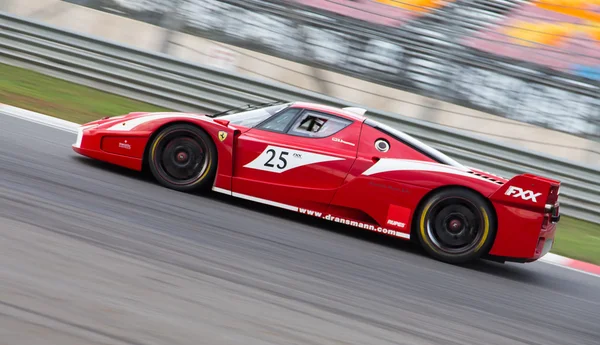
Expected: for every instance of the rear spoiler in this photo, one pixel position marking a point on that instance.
(531, 192)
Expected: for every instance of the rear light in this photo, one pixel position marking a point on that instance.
(552, 207)
(554, 211)
(553, 194)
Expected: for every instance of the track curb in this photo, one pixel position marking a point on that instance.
(577, 265)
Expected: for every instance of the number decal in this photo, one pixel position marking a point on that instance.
(282, 161)
(278, 159)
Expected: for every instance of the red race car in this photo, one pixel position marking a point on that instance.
(341, 166)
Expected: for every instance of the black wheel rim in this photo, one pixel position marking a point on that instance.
(455, 225)
(181, 157)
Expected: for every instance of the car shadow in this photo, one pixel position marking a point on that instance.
(125, 172)
(509, 270)
(517, 272)
(337, 228)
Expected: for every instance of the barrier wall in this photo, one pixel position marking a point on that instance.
(250, 62)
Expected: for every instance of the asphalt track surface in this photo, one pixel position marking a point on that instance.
(92, 254)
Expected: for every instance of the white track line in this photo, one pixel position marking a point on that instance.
(49, 121)
(38, 118)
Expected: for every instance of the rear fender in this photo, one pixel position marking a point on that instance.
(527, 209)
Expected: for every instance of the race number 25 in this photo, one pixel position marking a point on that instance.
(280, 159)
(281, 163)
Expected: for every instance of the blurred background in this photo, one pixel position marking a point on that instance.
(94, 254)
(523, 72)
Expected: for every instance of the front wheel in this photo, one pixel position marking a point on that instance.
(183, 157)
(456, 225)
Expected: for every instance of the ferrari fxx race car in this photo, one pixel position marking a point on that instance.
(339, 165)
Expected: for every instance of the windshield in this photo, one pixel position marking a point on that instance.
(253, 117)
(414, 143)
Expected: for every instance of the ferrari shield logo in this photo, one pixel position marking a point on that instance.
(222, 135)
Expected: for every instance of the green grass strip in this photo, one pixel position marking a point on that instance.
(62, 99)
(578, 239)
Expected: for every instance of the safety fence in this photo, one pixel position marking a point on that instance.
(177, 84)
(519, 59)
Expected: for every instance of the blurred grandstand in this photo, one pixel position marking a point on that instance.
(531, 61)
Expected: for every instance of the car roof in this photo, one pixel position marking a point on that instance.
(333, 110)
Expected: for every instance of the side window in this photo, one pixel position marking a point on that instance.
(318, 125)
(280, 122)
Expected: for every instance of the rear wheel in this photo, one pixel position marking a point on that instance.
(183, 157)
(456, 225)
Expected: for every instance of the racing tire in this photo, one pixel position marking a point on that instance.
(183, 157)
(456, 225)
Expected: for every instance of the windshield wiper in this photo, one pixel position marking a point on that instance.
(246, 107)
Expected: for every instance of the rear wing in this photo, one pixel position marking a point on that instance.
(531, 192)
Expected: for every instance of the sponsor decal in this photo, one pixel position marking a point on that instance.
(317, 214)
(396, 223)
(125, 145)
(279, 159)
(517, 192)
(222, 135)
(398, 216)
(338, 140)
(354, 223)
(381, 185)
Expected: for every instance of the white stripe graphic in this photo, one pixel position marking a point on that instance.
(80, 130)
(128, 125)
(393, 164)
(265, 201)
(221, 190)
(256, 199)
(77, 143)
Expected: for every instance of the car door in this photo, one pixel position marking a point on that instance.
(298, 157)
(387, 202)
